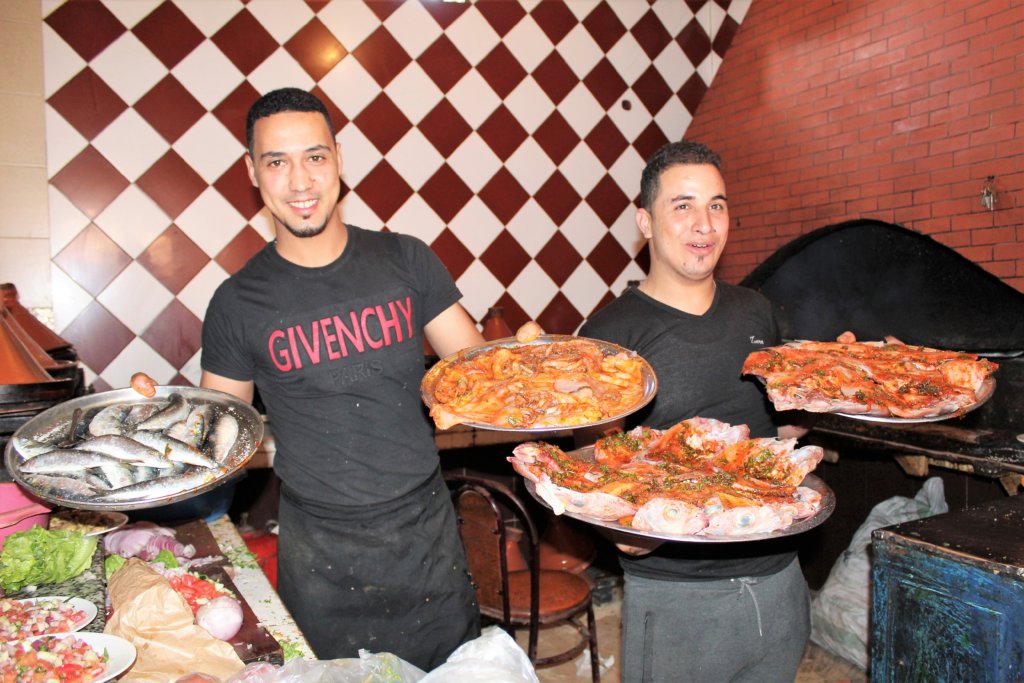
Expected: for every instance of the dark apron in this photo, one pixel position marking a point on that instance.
(385, 578)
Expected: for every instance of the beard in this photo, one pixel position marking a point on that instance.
(305, 231)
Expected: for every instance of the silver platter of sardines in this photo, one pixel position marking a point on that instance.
(119, 450)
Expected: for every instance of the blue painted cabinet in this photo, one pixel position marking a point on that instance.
(947, 597)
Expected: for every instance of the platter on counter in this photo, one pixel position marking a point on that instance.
(147, 482)
(88, 522)
(119, 652)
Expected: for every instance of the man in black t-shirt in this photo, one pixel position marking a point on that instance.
(734, 611)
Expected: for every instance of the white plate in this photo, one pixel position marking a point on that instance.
(121, 653)
(77, 604)
(90, 522)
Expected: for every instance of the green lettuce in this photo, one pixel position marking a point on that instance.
(39, 556)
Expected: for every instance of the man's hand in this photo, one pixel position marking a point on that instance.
(641, 546)
(528, 332)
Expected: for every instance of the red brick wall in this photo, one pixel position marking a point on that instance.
(893, 110)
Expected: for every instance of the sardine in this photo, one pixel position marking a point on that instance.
(160, 487)
(192, 430)
(119, 474)
(127, 449)
(147, 473)
(222, 438)
(64, 487)
(141, 412)
(63, 460)
(174, 450)
(176, 410)
(110, 420)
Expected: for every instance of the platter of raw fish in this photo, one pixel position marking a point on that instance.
(121, 450)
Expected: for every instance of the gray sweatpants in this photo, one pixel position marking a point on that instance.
(741, 630)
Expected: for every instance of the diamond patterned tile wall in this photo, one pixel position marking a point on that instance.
(507, 134)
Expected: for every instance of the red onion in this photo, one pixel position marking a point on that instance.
(144, 540)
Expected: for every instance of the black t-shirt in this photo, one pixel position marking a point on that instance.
(697, 360)
(337, 355)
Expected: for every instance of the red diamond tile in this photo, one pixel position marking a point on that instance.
(652, 90)
(560, 316)
(557, 197)
(502, 132)
(608, 258)
(90, 182)
(501, 70)
(168, 34)
(316, 49)
(554, 77)
(97, 336)
(650, 140)
(558, 258)
(92, 259)
(317, 5)
(239, 250)
(651, 34)
(692, 93)
(98, 386)
(502, 15)
(445, 128)
(605, 300)
(382, 123)
(503, 195)
(171, 183)
(337, 117)
(444, 63)
(643, 258)
(726, 32)
(505, 258)
(180, 380)
(170, 108)
(88, 27)
(453, 254)
(384, 8)
(88, 103)
(604, 26)
(606, 141)
(176, 334)
(554, 18)
(445, 13)
(236, 187)
(382, 56)
(694, 42)
(556, 137)
(515, 316)
(244, 41)
(232, 110)
(608, 200)
(445, 193)
(605, 83)
(173, 259)
(384, 190)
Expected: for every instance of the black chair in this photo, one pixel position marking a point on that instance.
(528, 597)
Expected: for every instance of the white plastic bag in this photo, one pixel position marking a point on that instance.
(494, 657)
(369, 668)
(839, 612)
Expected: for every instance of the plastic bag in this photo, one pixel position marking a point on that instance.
(839, 612)
(494, 657)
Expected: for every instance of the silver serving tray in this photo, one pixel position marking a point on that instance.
(54, 424)
(647, 372)
(622, 534)
(988, 388)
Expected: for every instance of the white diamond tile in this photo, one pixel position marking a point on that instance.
(709, 67)
(196, 295)
(628, 58)
(359, 156)
(714, 16)
(673, 15)
(473, 98)
(533, 289)
(209, 17)
(529, 104)
(210, 221)
(280, 70)
(626, 171)
(131, 12)
(350, 22)
(63, 142)
(474, 162)
(630, 12)
(263, 224)
(415, 159)
(472, 36)
(738, 10)
(632, 272)
(581, 110)
(528, 43)
(209, 148)
(413, 28)
(354, 211)
(630, 122)
(418, 219)
(583, 228)
(579, 51)
(61, 62)
(138, 356)
(193, 369)
(532, 227)
(530, 165)
(582, 169)
(133, 220)
(626, 233)
(350, 87)
(65, 220)
(69, 299)
(480, 290)
(475, 226)
(673, 119)
(584, 288)
(414, 92)
(207, 74)
(674, 66)
(129, 68)
(130, 144)
(281, 18)
(135, 297)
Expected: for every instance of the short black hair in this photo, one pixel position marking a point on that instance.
(684, 152)
(282, 100)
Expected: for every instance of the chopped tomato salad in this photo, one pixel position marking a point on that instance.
(25, 618)
(196, 590)
(65, 659)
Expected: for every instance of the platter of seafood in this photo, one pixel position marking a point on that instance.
(121, 450)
